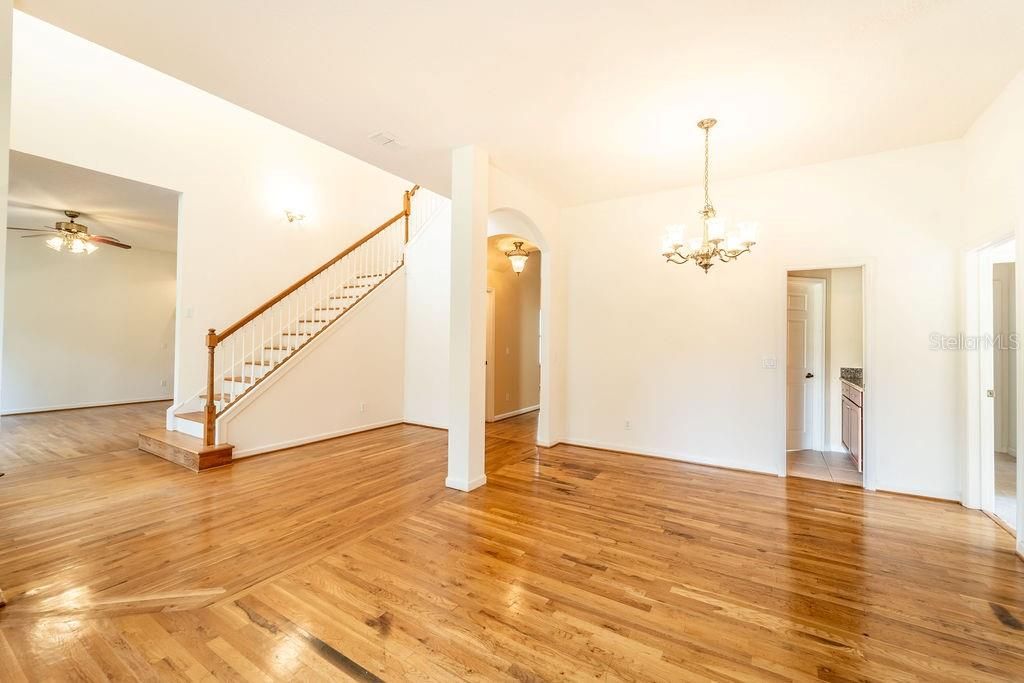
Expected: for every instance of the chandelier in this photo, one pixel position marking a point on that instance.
(714, 242)
(518, 257)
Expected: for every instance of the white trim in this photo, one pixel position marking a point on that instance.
(514, 413)
(312, 439)
(76, 406)
(428, 425)
(626, 449)
(463, 485)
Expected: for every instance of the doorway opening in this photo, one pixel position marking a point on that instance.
(993, 468)
(825, 392)
(513, 331)
(90, 288)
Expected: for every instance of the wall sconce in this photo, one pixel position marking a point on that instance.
(518, 257)
(294, 217)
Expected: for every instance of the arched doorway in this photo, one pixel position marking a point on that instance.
(504, 227)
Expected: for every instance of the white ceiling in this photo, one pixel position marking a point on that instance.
(141, 215)
(586, 99)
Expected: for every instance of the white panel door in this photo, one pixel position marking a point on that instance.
(803, 342)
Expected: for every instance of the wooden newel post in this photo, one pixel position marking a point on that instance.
(210, 423)
(407, 209)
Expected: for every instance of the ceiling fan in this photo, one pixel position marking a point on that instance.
(72, 236)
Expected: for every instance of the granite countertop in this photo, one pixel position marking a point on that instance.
(853, 377)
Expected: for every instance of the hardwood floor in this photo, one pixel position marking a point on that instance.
(348, 560)
(39, 438)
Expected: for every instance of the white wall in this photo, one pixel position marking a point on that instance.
(79, 103)
(428, 282)
(679, 353)
(994, 197)
(86, 330)
(349, 379)
(5, 146)
(994, 170)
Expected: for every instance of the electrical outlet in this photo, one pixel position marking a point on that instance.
(508, 396)
(163, 383)
(629, 425)
(189, 312)
(362, 407)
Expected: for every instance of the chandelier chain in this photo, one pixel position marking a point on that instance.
(707, 164)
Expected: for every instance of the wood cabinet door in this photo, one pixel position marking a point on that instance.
(846, 422)
(856, 435)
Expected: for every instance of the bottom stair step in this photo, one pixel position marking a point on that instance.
(185, 450)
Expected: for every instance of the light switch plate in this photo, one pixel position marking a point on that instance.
(768, 363)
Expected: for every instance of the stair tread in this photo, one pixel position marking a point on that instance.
(194, 416)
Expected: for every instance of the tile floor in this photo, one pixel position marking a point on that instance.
(1006, 489)
(828, 466)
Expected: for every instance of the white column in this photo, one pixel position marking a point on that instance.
(467, 350)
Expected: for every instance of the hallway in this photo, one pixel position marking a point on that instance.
(349, 559)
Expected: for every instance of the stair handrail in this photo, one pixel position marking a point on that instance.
(214, 338)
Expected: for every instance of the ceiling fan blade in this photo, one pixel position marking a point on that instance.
(41, 234)
(11, 227)
(112, 241)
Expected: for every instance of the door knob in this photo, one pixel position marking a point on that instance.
(809, 375)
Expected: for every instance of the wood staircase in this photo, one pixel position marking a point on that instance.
(244, 354)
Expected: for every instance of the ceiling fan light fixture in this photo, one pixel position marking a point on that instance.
(55, 243)
(90, 247)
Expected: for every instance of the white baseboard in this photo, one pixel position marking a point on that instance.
(514, 413)
(257, 450)
(631, 450)
(463, 485)
(423, 423)
(76, 406)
